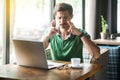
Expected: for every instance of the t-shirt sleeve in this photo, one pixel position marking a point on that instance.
(85, 33)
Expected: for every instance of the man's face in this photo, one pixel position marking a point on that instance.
(61, 19)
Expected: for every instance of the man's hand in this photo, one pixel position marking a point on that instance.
(52, 30)
(73, 29)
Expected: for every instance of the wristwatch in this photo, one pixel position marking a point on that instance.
(81, 35)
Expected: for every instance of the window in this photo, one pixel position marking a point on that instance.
(31, 20)
(118, 16)
(77, 11)
(1, 29)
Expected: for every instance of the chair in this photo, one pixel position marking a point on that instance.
(103, 60)
(113, 67)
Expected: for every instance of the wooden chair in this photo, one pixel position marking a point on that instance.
(103, 60)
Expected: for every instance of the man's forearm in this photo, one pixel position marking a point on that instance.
(46, 41)
(93, 49)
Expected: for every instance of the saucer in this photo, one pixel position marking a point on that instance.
(79, 66)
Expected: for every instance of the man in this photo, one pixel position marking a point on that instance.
(66, 41)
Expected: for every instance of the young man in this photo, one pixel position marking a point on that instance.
(66, 41)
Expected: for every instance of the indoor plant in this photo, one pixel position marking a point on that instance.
(104, 27)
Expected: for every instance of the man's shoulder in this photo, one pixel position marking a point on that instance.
(55, 37)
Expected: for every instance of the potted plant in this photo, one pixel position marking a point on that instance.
(104, 27)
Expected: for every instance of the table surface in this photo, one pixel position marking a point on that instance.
(108, 42)
(19, 72)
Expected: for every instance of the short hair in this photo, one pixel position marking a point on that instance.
(63, 7)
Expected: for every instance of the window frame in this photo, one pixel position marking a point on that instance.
(7, 35)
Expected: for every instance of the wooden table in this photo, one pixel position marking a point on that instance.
(25, 73)
(108, 42)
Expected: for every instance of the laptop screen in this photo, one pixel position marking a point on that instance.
(31, 54)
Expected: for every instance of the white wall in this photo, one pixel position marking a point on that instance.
(90, 18)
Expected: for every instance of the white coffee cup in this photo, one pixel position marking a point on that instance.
(75, 62)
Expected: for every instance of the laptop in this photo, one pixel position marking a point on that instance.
(32, 54)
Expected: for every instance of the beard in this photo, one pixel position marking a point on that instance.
(64, 26)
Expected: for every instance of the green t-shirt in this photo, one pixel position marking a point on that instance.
(64, 50)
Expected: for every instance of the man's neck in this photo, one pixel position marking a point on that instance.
(64, 33)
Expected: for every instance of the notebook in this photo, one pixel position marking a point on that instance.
(32, 54)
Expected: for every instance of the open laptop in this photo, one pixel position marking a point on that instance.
(32, 54)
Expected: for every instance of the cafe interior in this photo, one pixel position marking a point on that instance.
(30, 19)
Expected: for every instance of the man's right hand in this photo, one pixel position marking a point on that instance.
(52, 30)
